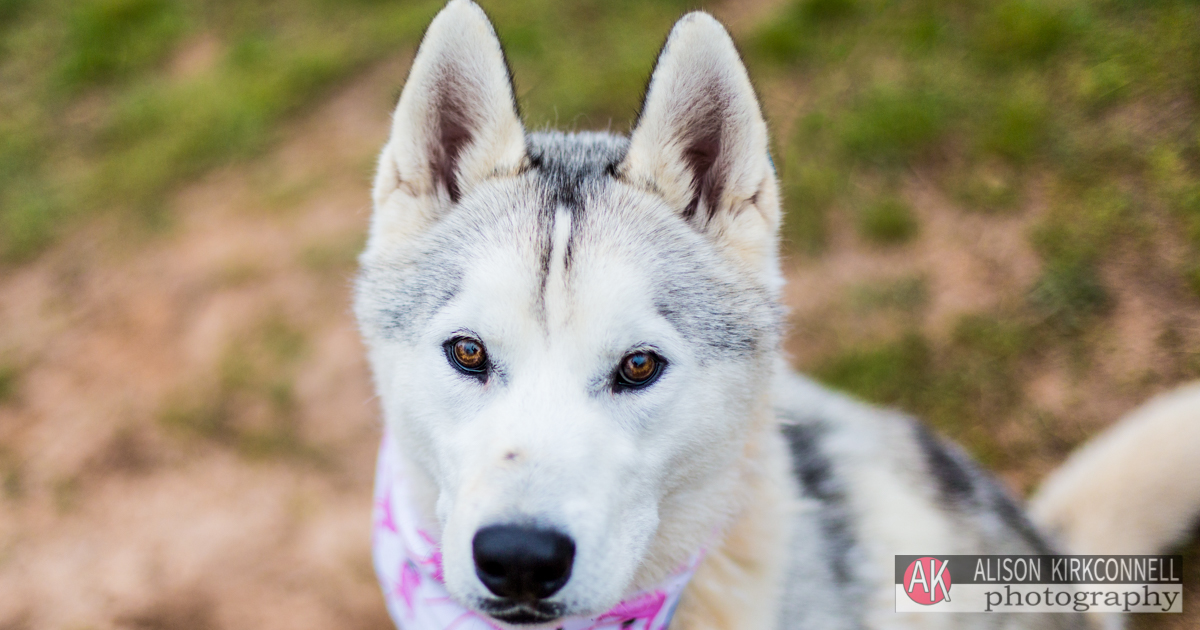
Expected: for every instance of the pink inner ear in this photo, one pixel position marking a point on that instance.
(453, 134)
(458, 102)
(701, 155)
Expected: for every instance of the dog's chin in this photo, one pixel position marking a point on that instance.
(524, 615)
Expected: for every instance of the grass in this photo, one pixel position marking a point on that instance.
(101, 124)
(891, 125)
(1014, 32)
(897, 373)
(99, 120)
(962, 385)
(9, 381)
(1018, 128)
(890, 86)
(1083, 109)
(887, 221)
(112, 39)
(249, 405)
(1069, 294)
(788, 37)
(1088, 107)
(983, 93)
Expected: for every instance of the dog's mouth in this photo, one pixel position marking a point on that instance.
(522, 613)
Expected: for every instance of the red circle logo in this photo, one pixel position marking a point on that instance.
(927, 581)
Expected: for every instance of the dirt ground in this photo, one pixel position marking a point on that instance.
(154, 478)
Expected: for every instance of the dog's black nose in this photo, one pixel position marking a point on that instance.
(522, 563)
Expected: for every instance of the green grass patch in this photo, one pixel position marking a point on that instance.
(1021, 31)
(784, 40)
(29, 221)
(808, 193)
(1018, 130)
(894, 373)
(148, 129)
(887, 221)
(113, 39)
(9, 382)
(251, 405)
(96, 121)
(891, 125)
(145, 130)
(973, 377)
(1069, 294)
(792, 35)
(10, 10)
(1192, 277)
(583, 65)
(165, 131)
(960, 386)
(1104, 84)
(983, 357)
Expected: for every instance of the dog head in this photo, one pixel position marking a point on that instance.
(571, 334)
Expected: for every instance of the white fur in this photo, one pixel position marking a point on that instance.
(526, 449)
(699, 70)
(461, 45)
(1135, 489)
(559, 293)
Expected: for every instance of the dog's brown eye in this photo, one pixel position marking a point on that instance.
(467, 355)
(638, 369)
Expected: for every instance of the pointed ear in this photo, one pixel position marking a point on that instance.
(455, 126)
(701, 142)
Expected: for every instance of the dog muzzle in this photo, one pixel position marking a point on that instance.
(408, 562)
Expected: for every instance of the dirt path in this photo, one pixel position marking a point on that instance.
(114, 517)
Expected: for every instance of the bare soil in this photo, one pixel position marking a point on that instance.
(111, 517)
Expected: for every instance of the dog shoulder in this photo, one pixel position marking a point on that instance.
(876, 483)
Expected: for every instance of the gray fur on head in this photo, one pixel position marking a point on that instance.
(562, 253)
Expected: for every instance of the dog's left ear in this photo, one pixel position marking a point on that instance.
(455, 126)
(701, 142)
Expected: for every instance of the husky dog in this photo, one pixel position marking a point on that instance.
(575, 339)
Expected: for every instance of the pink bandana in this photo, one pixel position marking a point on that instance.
(408, 561)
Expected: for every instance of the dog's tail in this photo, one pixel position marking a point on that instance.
(1134, 489)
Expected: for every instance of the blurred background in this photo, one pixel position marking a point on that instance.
(993, 221)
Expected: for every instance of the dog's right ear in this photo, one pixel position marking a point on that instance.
(701, 144)
(455, 126)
